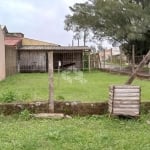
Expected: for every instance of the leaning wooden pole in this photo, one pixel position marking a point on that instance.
(51, 83)
(89, 62)
(133, 58)
(142, 63)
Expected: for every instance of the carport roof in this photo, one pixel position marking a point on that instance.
(55, 48)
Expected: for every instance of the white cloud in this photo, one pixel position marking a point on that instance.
(72, 2)
(13, 4)
(43, 20)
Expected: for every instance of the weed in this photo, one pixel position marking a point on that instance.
(25, 115)
(25, 96)
(60, 97)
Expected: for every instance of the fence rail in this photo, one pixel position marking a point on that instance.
(118, 63)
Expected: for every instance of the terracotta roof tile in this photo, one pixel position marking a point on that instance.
(12, 41)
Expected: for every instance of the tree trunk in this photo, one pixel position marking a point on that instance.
(142, 63)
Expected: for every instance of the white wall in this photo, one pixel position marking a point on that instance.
(2, 56)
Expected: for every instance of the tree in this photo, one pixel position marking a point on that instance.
(79, 32)
(125, 21)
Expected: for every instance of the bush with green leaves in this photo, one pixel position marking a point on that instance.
(8, 96)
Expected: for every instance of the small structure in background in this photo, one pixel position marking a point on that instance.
(108, 58)
(20, 54)
(124, 100)
(34, 58)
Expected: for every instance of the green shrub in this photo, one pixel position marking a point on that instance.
(8, 96)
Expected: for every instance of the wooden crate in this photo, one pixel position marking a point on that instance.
(124, 100)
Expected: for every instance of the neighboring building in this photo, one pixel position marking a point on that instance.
(113, 52)
(28, 55)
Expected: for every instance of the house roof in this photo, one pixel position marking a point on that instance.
(55, 48)
(12, 41)
(28, 41)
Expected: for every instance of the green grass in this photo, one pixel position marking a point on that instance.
(86, 133)
(89, 87)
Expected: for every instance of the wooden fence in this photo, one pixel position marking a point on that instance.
(124, 100)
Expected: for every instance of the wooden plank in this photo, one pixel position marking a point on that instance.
(124, 105)
(126, 87)
(127, 94)
(126, 109)
(126, 113)
(127, 102)
(126, 90)
(126, 98)
(119, 106)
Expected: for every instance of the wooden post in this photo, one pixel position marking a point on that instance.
(89, 61)
(94, 63)
(142, 63)
(104, 58)
(120, 59)
(84, 38)
(100, 66)
(51, 83)
(111, 59)
(133, 58)
(83, 60)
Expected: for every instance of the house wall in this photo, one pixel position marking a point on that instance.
(11, 60)
(32, 61)
(77, 58)
(37, 61)
(2, 56)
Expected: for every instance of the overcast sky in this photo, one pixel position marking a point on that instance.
(38, 19)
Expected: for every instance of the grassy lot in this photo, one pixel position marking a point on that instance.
(87, 133)
(68, 86)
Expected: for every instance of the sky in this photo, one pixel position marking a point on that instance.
(38, 19)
